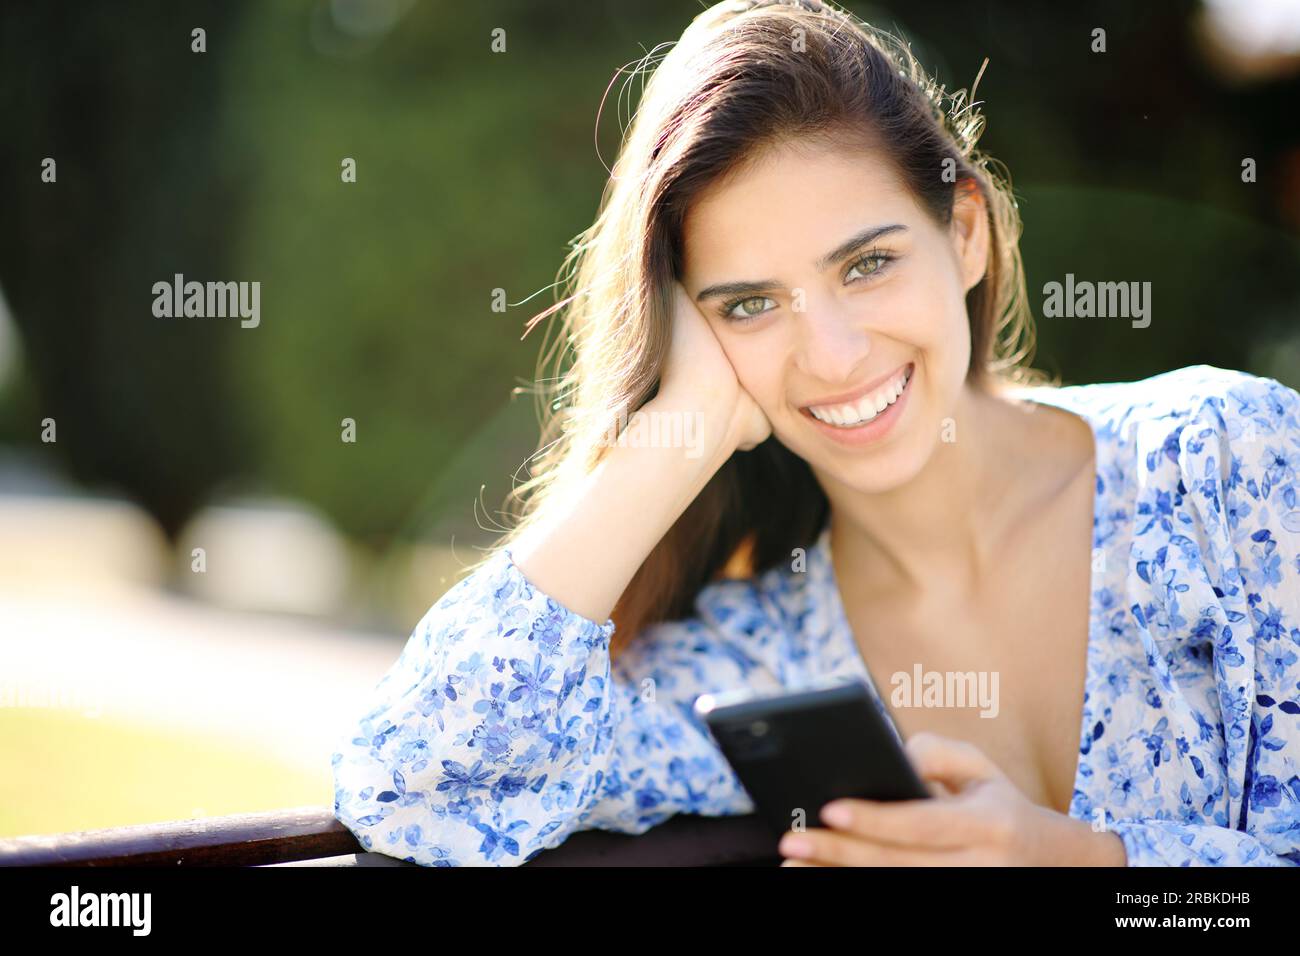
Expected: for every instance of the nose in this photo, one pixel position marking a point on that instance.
(833, 342)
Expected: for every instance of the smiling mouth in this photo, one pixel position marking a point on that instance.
(866, 408)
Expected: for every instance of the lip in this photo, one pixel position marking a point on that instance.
(849, 398)
(871, 431)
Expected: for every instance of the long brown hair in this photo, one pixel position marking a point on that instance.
(746, 75)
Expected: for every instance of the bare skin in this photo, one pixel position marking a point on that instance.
(1026, 619)
(965, 554)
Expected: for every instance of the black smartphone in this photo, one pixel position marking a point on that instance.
(795, 752)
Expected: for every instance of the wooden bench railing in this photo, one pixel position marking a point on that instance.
(311, 836)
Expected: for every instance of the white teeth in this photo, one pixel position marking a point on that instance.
(866, 408)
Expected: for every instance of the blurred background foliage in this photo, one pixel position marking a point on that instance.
(474, 170)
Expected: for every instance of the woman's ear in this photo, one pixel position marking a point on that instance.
(970, 232)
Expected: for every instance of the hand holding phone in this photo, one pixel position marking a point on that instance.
(796, 752)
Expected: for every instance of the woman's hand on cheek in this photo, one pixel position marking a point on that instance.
(698, 379)
(754, 427)
(977, 817)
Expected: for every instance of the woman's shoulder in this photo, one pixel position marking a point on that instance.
(1190, 411)
(768, 601)
(1158, 410)
(1223, 442)
(784, 613)
(758, 616)
(1193, 390)
(741, 630)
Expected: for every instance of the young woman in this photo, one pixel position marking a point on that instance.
(804, 271)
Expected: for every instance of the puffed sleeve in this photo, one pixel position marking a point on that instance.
(1241, 468)
(504, 726)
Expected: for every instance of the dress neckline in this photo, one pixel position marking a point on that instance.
(1062, 398)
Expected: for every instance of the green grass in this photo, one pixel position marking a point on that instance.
(62, 771)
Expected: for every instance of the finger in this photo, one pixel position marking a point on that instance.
(952, 762)
(830, 848)
(907, 823)
(938, 788)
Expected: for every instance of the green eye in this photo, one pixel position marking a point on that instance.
(747, 314)
(879, 258)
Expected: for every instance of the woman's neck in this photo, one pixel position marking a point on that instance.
(939, 532)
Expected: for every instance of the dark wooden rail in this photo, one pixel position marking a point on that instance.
(311, 836)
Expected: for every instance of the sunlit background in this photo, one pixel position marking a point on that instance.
(139, 682)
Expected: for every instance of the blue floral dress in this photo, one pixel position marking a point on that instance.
(503, 727)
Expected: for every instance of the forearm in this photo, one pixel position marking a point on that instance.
(591, 544)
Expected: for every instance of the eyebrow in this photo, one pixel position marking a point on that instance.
(838, 254)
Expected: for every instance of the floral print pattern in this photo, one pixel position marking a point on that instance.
(504, 726)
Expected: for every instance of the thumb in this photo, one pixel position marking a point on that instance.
(953, 763)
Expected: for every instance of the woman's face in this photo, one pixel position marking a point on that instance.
(839, 290)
